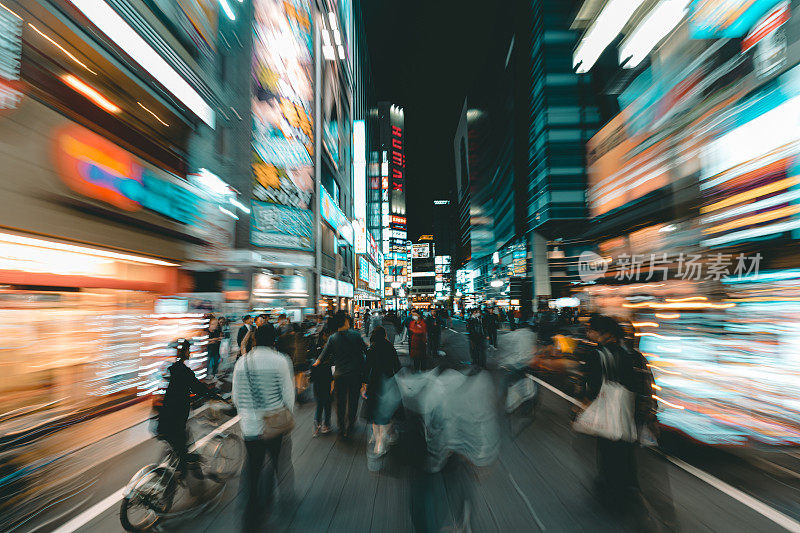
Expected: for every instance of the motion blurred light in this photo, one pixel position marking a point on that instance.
(605, 29)
(657, 25)
(227, 9)
(91, 93)
(115, 28)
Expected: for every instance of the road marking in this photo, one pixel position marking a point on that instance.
(556, 391)
(770, 464)
(527, 502)
(97, 509)
(758, 506)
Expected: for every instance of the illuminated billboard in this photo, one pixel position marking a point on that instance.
(282, 123)
(281, 226)
(363, 269)
(420, 251)
(335, 217)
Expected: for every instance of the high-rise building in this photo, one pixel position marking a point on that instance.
(391, 124)
(463, 252)
(444, 227)
(490, 230)
(422, 273)
(366, 181)
(558, 114)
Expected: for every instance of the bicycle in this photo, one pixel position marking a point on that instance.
(150, 494)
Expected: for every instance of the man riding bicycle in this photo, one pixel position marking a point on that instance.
(174, 412)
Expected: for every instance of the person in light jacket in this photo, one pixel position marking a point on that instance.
(262, 382)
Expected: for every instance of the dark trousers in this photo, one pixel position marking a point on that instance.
(322, 392)
(348, 389)
(616, 465)
(419, 363)
(434, 341)
(477, 352)
(493, 337)
(257, 449)
(213, 359)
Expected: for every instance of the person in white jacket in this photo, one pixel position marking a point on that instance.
(263, 382)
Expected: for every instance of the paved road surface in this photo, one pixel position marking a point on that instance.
(543, 481)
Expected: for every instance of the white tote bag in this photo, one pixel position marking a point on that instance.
(610, 415)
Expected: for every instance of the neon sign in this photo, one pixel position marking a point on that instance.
(97, 168)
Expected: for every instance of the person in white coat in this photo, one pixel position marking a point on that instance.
(263, 383)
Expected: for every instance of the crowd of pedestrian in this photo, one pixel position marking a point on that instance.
(361, 370)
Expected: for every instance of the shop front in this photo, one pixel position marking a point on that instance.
(92, 240)
(282, 291)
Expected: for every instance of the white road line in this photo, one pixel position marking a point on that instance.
(90, 513)
(527, 502)
(758, 506)
(97, 509)
(556, 391)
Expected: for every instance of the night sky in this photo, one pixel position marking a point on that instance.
(426, 56)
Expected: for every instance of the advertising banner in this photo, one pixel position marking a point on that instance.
(360, 230)
(420, 251)
(327, 286)
(280, 226)
(363, 269)
(282, 142)
(334, 216)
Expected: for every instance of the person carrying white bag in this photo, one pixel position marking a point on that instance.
(619, 383)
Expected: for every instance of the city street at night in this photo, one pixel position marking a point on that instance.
(542, 482)
(399, 266)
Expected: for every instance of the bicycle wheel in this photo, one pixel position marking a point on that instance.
(149, 498)
(225, 456)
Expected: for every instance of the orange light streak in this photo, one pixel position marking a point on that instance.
(91, 93)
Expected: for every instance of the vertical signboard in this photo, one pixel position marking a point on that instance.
(359, 169)
(397, 180)
(282, 143)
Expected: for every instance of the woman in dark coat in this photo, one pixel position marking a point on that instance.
(418, 345)
(382, 397)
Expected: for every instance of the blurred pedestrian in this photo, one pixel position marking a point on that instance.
(249, 341)
(174, 411)
(619, 383)
(263, 393)
(477, 339)
(214, 333)
(345, 352)
(376, 320)
(247, 325)
(388, 322)
(380, 394)
(365, 321)
(434, 325)
(490, 324)
(284, 325)
(322, 378)
(418, 341)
